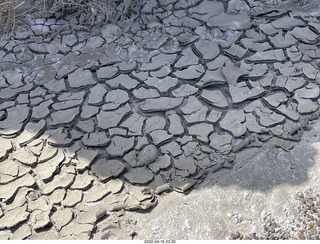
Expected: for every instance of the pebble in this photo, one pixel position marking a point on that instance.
(147, 155)
(307, 227)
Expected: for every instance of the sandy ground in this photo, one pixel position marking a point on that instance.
(262, 183)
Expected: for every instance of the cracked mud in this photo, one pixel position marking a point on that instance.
(92, 125)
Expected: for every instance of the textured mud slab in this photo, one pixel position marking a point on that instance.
(95, 125)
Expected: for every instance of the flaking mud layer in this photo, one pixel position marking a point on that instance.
(94, 124)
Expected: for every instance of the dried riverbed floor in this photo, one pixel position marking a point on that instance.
(96, 127)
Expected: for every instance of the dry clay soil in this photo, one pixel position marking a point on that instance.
(262, 183)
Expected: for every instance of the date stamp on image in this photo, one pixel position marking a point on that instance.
(160, 241)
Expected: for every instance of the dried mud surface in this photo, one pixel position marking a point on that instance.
(268, 195)
(192, 106)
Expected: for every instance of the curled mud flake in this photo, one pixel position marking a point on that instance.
(62, 180)
(276, 99)
(267, 117)
(25, 157)
(80, 78)
(306, 106)
(160, 104)
(114, 99)
(155, 123)
(162, 188)
(118, 206)
(61, 217)
(139, 175)
(31, 131)
(72, 198)
(190, 73)
(57, 196)
(221, 143)
(63, 117)
(131, 158)
(198, 115)
(205, 10)
(115, 186)
(185, 166)
(214, 77)
(39, 219)
(304, 34)
(286, 22)
(234, 122)
(241, 93)
(241, 145)
(158, 61)
(42, 110)
(82, 181)
(184, 90)
(209, 50)
(120, 145)
(49, 168)
(235, 22)
(201, 131)
(289, 111)
(268, 56)
(11, 170)
(188, 58)
(47, 153)
(22, 233)
(311, 91)
(14, 217)
(163, 84)
(215, 98)
(15, 120)
(290, 83)
(96, 193)
(252, 124)
(95, 139)
(143, 93)
(191, 148)
(107, 72)
(134, 124)
(109, 119)
(163, 162)
(96, 94)
(182, 184)
(237, 51)
(160, 136)
(175, 126)
(172, 147)
(75, 230)
(106, 169)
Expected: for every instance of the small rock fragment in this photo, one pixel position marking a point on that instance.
(147, 155)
